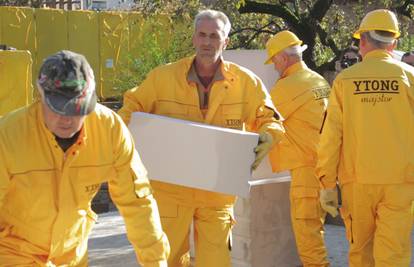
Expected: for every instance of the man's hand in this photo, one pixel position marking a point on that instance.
(329, 201)
(265, 144)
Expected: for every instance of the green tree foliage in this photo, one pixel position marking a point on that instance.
(157, 46)
(179, 44)
(326, 26)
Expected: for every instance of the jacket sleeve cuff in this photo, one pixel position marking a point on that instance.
(275, 129)
(326, 183)
(155, 255)
(156, 264)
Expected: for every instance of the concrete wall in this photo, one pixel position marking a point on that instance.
(263, 234)
(254, 61)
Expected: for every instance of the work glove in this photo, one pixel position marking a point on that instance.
(261, 150)
(329, 201)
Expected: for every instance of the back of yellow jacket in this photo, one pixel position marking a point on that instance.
(45, 194)
(368, 136)
(300, 95)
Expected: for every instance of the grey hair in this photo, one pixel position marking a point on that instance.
(295, 51)
(214, 15)
(370, 36)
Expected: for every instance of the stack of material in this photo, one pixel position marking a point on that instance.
(263, 234)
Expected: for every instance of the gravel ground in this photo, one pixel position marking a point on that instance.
(108, 245)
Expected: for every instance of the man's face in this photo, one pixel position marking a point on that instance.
(364, 46)
(59, 125)
(409, 59)
(209, 40)
(280, 62)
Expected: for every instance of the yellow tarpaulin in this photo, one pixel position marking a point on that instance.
(51, 34)
(15, 80)
(17, 28)
(114, 36)
(83, 38)
(107, 39)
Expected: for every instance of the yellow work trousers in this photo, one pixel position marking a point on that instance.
(307, 217)
(212, 230)
(379, 221)
(15, 252)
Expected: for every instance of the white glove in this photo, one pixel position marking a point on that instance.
(264, 146)
(329, 201)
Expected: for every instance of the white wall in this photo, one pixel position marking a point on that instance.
(254, 60)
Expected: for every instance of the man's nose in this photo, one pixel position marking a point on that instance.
(65, 119)
(206, 40)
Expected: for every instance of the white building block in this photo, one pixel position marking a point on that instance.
(171, 152)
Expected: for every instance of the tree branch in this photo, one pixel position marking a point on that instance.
(405, 8)
(319, 9)
(296, 5)
(255, 29)
(325, 40)
(246, 44)
(276, 10)
(250, 29)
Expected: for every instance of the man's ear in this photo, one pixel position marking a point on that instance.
(285, 58)
(40, 92)
(226, 42)
(394, 45)
(362, 41)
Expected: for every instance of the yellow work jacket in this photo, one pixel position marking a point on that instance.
(239, 101)
(45, 194)
(301, 96)
(368, 135)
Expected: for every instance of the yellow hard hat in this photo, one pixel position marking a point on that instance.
(380, 20)
(280, 41)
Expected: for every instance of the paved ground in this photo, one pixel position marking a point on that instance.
(108, 245)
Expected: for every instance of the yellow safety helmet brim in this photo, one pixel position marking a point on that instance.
(357, 34)
(378, 20)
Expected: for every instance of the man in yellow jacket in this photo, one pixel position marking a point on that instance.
(54, 155)
(367, 143)
(207, 89)
(300, 95)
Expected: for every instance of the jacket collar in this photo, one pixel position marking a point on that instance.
(225, 67)
(294, 68)
(38, 110)
(193, 76)
(378, 53)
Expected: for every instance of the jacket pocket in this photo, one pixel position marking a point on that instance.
(75, 241)
(32, 187)
(347, 218)
(232, 109)
(232, 115)
(88, 181)
(142, 188)
(171, 108)
(4, 230)
(410, 173)
(305, 203)
(412, 211)
(167, 209)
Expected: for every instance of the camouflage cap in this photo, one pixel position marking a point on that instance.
(68, 83)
